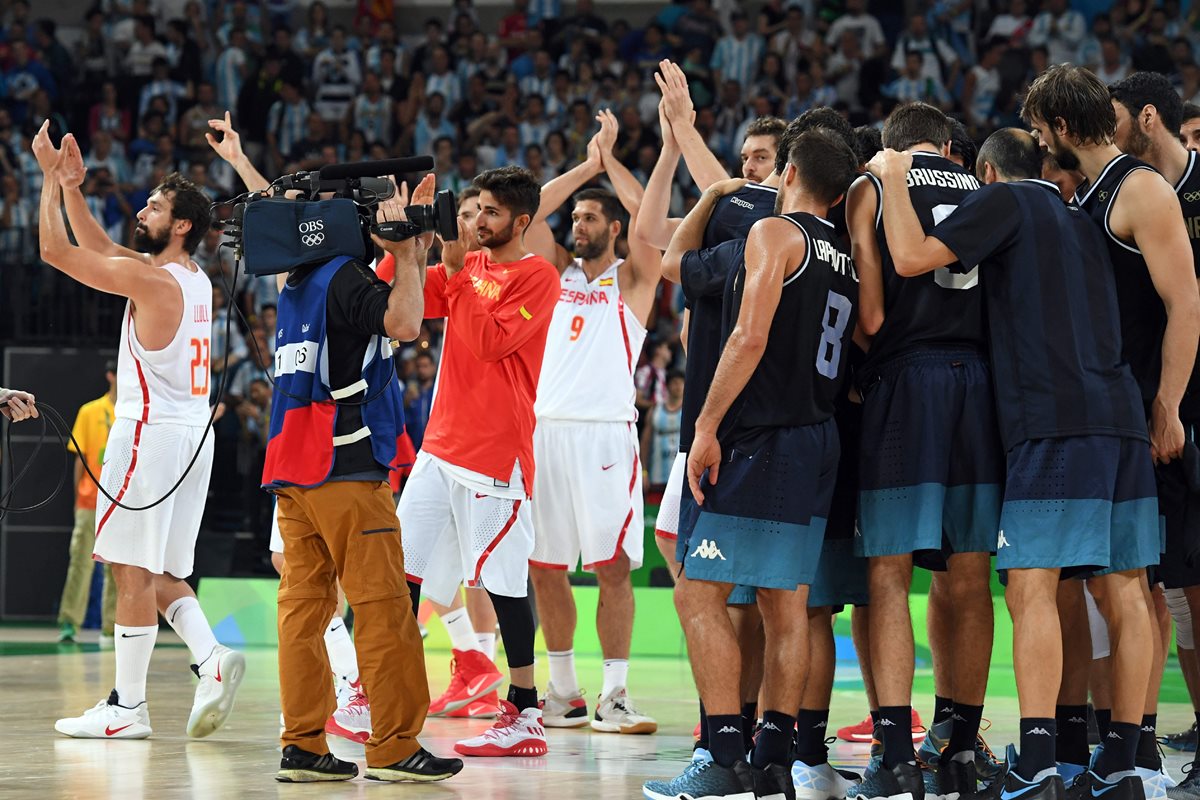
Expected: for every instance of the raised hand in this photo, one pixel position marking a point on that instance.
(677, 101)
(426, 191)
(230, 146)
(454, 253)
(47, 155)
(606, 139)
(71, 170)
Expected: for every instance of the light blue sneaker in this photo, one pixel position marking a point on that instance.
(936, 739)
(821, 782)
(704, 779)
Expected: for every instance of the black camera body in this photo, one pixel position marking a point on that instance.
(440, 218)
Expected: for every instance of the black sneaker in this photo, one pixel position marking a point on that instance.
(1090, 786)
(1017, 788)
(957, 779)
(907, 778)
(420, 766)
(301, 766)
(763, 784)
(1184, 741)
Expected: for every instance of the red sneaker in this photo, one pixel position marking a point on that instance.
(472, 676)
(863, 731)
(353, 720)
(486, 707)
(516, 733)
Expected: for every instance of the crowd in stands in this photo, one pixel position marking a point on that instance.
(138, 80)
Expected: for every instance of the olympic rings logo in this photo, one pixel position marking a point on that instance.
(312, 239)
(1192, 197)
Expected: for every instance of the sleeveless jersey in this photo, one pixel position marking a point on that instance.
(943, 307)
(591, 351)
(171, 384)
(800, 377)
(1143, 316)
(1188, 190)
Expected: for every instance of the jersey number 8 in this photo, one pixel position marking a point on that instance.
(833, 327)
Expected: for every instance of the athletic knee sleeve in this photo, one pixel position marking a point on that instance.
(515, 615)
(1181, 612)
(1098, 626)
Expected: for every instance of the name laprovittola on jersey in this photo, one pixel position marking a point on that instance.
(1188, 190)
(591, 351)
(803, 368)
(943, 307)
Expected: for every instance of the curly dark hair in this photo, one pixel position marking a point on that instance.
(187, 203)
(814, 118)
(515, 188)
(1142, 89)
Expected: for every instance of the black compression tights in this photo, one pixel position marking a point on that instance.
(515, 615)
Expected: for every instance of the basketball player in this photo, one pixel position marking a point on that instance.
(161, 413)
(16, 405)
(1149, 113)
(1068, 407)
(588, 493)
(465, 509)
(931, 466)
(763, 508)
(1071, 112)
(1189, 129)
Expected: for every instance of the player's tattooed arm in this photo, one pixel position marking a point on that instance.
(1163, 240)
(690, 233)
(773, 248)
(912, 251)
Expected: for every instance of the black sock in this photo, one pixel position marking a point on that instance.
(1037, 746)
(1072, 744)
(774, 740)
(943, 709)
(523, 698)
(749, 718)
(1103, 720)
(875, 717)
(725, 739)
(965, 730)
(1120, 749)
(1147, 747)
(414, 594)
(810, 736)
(895, 723)
(703, 740)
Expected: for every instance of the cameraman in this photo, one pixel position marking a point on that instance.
(335, 418)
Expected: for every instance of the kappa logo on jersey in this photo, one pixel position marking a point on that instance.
(737, 201)
(708, 550)
(1002, 541)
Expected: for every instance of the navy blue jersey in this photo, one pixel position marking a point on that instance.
(1052, 311)
(799, 379)
(703, 275)
(1188, 190)
(941, 308)
(734, 214)
(1143, 316)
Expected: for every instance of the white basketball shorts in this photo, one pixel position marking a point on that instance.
(142, 462)
(587, 494)
(667, 524)
(456, 533)
(276, 537)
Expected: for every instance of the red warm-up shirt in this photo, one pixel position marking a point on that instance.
(498, 316)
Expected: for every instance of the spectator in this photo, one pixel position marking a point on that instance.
(513, 29)
(938, 59)
(699, 28)
(795, 42)
(1013, 24)
(1113, 65)
(18, 223)
(183, 54)
(336, 77)
(431, 123)
(418, 400)
(104, 156)
(541, 82)
(235, 344)
(232, 67)
(291, 66)
(807, 95)
(372, 113)
(534, 128)
(286, 124)
(863, 28)
(914, 85)
(441, 79)
(467, 167)
(845, 67)
(385, 41)
(738, 55)
(652, 50)
(93, 53)
(422, 60)
(1060, 30)
(161, 85)
(982, 86)
(772, 81)
(1090, 53)
(314, 36)
(24, 77)
(660, 436)
(143, 50)
(53, 55)
(651, 378)
(108, 116)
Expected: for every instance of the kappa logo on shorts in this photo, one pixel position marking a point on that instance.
(1001, 541)
(709, 550)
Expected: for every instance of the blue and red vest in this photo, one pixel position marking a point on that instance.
(302, 445)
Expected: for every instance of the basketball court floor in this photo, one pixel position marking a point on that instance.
(43, 681)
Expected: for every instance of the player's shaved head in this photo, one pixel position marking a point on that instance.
(1013, 153)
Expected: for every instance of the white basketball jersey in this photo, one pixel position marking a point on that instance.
(171, 384)
(591, 351)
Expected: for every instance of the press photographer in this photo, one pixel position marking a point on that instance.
(336, 414)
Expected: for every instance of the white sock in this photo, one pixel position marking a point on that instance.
(188, 620)
(562, 673)
(133, 648)
(616, 673)
(458, 625)
(487, 643)
(343, 660)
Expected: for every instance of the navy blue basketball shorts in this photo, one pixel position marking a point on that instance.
(763, 523)
(1179, 513)
(689, 512)
(1085, 504)
(931, 469)
(841, 575)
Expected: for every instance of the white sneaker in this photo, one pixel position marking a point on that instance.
(821, 782)
(107, 720)
(516, 733)
(562, 710)
(353, 720)
(220, 675)
(1155, 783)
(345, 689)
(615, 714)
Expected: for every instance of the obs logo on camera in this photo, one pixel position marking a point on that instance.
(312, 232)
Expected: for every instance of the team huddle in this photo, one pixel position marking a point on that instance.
(900, 353)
